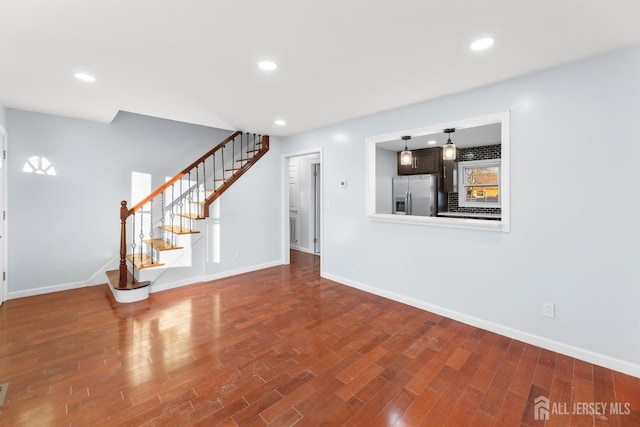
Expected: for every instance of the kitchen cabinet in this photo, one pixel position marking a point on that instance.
(448, 180)
(424, 161)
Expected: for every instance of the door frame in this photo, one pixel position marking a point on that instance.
(286, 259)
(5, 238)
(317, 213)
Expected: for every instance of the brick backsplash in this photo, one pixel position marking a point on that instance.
(485, 152)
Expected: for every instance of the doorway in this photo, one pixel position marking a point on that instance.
(302, 203)
(3, 228)
(316, 207)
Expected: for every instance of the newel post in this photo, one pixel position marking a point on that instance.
(124, 213)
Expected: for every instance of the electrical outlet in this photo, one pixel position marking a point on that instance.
(548, 310)
(359, 265)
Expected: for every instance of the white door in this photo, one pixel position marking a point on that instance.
(3, 173)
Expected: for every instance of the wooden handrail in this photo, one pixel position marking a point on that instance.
(264, 141)
(181, 174)
(125, 213)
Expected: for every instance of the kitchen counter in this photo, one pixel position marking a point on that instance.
(470, 215)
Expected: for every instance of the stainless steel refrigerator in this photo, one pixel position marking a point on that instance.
(415, 195)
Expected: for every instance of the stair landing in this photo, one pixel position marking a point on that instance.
(131, 291)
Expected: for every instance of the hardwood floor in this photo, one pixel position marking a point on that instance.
(280, 347)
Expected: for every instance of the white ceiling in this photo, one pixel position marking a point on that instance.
(195, 61)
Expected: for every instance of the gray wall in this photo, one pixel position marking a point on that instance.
(64, 228)
(574, 145)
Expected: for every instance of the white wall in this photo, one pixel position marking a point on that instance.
(65, 228)
(574, 230)
(3, 116)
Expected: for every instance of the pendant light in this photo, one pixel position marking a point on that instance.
(449, 149)
(405, 155)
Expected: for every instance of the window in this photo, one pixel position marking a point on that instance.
(479, 183)
(490, 189)
(39, 165)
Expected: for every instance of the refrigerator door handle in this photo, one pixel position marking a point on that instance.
(409, 204)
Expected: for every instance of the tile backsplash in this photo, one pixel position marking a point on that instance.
(485, 152)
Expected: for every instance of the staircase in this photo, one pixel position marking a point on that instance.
(164, 226)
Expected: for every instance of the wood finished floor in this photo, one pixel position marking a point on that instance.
(279, 347)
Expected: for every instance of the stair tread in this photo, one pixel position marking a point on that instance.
(244, 160)
(161, 245)
(178, 230)
(232, 169)
(220, 179)
(142, 261)
(132, 283)
(190, 215)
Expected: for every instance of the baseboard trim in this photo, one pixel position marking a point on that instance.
(98, 278)
(529, 338)
(153, 288)
(126, 296)
(200, 279)
(242, 270)
(305, 250)
(47, 289)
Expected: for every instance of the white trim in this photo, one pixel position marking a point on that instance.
(468, 223)
(242, 270)
(152, 288)
(126, 296)
(462, 186)
(285, 243)
(49, 289)
(529, 338)
(5, 227)
(201, 279)
(370, 173)
(98, 278)
(305, 250)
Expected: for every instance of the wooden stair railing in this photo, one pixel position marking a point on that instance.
(238, 162)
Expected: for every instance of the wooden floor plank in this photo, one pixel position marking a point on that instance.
(280, 346)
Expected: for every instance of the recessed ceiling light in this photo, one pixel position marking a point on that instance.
(482, 44)
(280, 122)
(431, 142)
(267, 65)
(85, 77)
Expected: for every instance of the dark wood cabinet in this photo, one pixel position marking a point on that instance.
(424, 160)
(448, 182)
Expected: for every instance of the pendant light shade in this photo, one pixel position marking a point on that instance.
(405, 155)
(449, 149)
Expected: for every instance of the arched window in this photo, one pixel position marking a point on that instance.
(39, 165)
